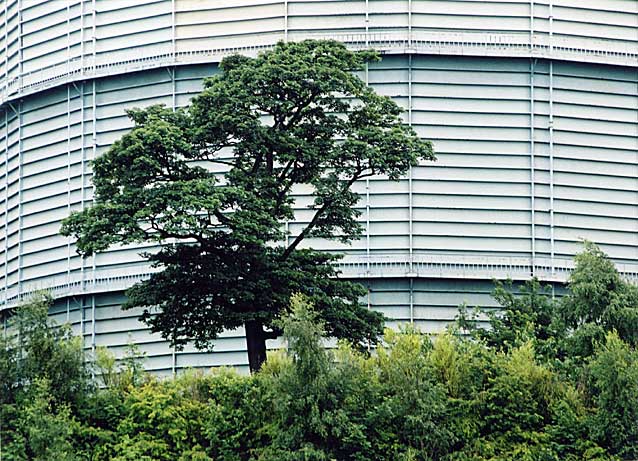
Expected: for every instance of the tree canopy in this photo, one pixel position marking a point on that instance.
(598, 301)
(215, 182)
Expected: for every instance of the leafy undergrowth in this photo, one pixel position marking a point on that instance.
(549, 379)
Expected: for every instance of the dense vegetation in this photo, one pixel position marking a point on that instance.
(550, 380)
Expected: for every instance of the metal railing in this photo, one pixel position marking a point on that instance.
(466, 267)
(351, 266)
(427, 42)
(78, 283)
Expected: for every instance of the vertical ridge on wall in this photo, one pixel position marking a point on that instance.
(551, 165)
(532, 159)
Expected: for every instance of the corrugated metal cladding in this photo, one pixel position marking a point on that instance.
(532, 107)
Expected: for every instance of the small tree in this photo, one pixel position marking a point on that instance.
(599, 300)
(36, 348)
(529, 315)
(613, 386)
(43, 380)
(214, 184)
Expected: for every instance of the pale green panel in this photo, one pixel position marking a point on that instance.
(595, 169)
(45, 266)
(472, 230)
(341, 16)
(119, 256)
(140, 95)
(433, 304)
(601, 210)
(501, 245)
(202, 24)
(128, 30)
(32, 248)
(439, 204)
(195, 72)
(49, 31)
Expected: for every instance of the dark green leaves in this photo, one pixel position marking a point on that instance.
(215, 182)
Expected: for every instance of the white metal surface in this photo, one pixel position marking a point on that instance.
(397, 42)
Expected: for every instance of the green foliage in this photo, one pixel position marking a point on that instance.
(237, 421)
(522, 410)
(613, 374)
(214, 183)
(163, 420)
(46, 426)
(44, 379)
(599, 301)
(528, 316)
(515, 405)
(489, 396)
(587, 338)
(122, 374)
(414, 404)
(41, 428)
(43, 352)
(461, 366)
(313, 418)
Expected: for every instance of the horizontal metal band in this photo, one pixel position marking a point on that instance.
(521, 45)
(358, 267)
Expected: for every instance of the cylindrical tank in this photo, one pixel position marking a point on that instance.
(532, 107)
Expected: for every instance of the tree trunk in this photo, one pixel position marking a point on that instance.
(255, 344)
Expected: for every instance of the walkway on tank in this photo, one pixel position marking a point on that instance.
(492, 44)
(360, 267)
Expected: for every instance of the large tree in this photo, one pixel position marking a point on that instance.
(214, 184)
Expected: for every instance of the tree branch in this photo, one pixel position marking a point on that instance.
(303, 105)
(164, 234)
(285, 170)
(315, 219)
(258, 159)
(270, 334)
(221, 217)
(280, 198)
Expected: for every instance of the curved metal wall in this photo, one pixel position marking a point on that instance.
(532, 107)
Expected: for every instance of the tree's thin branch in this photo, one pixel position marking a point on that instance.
(164, 234)
(300, 108)
(221, 217)
(320, 212)
(285, 170)
(281, 196)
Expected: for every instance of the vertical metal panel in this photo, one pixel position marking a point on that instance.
(6, 203)
(532, 160)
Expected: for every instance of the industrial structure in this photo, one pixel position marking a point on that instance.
(532, 107)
